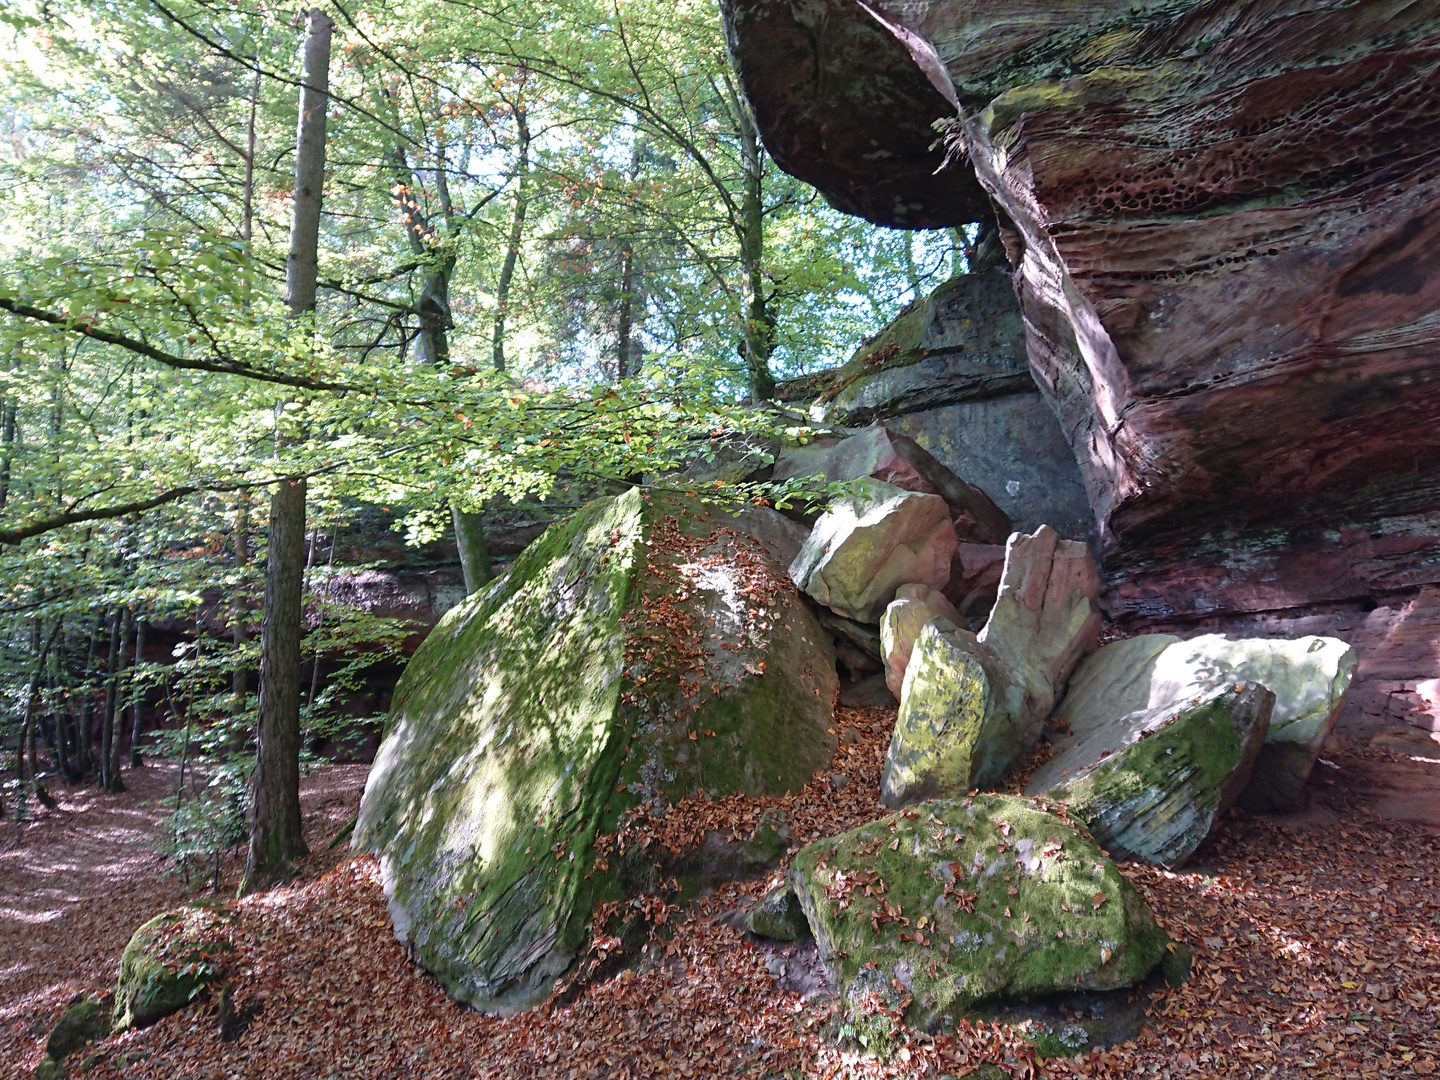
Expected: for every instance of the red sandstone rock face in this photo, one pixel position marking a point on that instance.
(1225, 223)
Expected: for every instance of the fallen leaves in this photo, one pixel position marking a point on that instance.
(1316, 955)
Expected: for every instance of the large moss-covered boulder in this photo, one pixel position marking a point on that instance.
(1150, 784)
(871, 542)
(1309, 677)
(972, 705)
(169, 961)
(959, 902)
(645, 650)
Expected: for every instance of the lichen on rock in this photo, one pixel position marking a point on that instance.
(870, 543)
(957, 902)
(972, 705)
(643, 651)
(1309, 677)
(1150, 784)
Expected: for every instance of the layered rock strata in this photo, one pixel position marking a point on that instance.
(1221, 218)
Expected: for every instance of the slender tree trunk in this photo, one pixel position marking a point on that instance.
(759, 320)
(275, 837)
(275, 840)
(7, 447)
(624, 366)
(137, 697)
(474, 552)
(115, 698)
(86, 738)
(240, 677)
(107, 716)
(517, 230)
(27, 719)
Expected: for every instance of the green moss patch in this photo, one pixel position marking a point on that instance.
(169, 961)
(954, 903)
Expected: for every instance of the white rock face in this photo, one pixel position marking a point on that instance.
(867, 545)
(912, 608)
(1309, 677)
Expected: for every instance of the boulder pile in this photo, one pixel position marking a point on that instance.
(654, 649)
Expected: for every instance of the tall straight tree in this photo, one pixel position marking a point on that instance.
(275, 836)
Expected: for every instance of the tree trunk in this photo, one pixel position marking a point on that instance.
(7, 447)
(517, 229)
(85, 749)
(115, 698)
(107, 716)
(759, 339)
(240, 677)
(137, 697)
(275, 839)
(623, 364)
(474, 552)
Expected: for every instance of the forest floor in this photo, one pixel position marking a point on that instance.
(1316, 940)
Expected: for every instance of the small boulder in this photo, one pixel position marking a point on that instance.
(972, 705)
(912, 608)
(169, 961)
(1149, 784)
(86, 1020)
(777, 915)
(1309, 677)
(868, 544)
(959, 902)
(877, 453)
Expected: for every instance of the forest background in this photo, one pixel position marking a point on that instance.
(552, 251)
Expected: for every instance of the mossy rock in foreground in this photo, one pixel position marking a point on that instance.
(968, 901)
(169, 961)
(645, 650)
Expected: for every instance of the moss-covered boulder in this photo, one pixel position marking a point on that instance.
(972, 705)
(958, 902)
(644, 650)
(912, 608)
(870, 543)
(1149, 784)
(169, 961)
(1308, 675)
(778, 915)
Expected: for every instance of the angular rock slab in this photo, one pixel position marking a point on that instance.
(642, 651)
(867, 545)
(1150, 784)
(912, 608)
(968, 901)
(972, 705)
(1309, 676)
(878, 453)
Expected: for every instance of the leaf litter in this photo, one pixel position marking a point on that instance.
(1316, 954)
